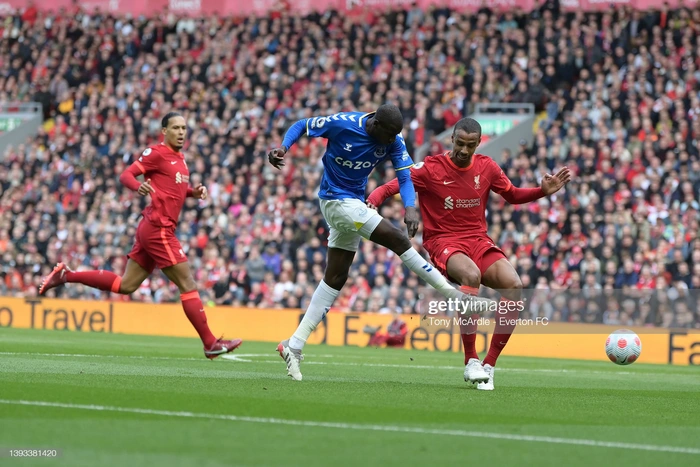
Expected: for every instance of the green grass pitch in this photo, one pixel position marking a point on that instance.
(116, 400)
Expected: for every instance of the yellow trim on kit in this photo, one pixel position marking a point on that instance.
(359, 122)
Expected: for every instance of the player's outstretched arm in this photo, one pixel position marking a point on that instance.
(550, 185)
(381, 193)
(514, 195)
(316, 127)
(522, 195)
(276, 156)
(419, 177)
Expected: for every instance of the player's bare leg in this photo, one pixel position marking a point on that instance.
(462, 269)
(503, 277)
(133, 277)
(387, 235)
(181, 275)
(339, 262)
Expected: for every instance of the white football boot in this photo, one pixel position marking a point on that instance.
(474, 372)
(488, 385)
(292, 357)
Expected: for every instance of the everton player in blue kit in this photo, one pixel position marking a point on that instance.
(357, 142)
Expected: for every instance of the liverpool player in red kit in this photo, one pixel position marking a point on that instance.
(167, 182)
(453, 190)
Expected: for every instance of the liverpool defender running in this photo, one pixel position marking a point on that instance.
(167, 182)
(453, 191)
(356, 144)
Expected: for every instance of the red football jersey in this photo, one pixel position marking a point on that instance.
(453, 200)
(170, 179)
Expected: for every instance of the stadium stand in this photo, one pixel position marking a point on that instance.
(618, 91)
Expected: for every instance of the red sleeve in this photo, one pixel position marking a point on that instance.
(128, 177)
(382, 193)
(522, 195)
(190, 192)
(502, 185)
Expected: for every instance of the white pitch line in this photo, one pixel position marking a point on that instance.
(237, 358)
(144, 357)
(356, 426)
(275, 360)
(79, 355)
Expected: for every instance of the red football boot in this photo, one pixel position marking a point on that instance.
(221, 347)
(56, 278)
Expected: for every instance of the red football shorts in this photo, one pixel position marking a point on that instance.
(479, 248)
(156, 247)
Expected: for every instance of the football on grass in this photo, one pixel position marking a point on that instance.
(623, 347)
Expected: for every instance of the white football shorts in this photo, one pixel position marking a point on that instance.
(349, 220)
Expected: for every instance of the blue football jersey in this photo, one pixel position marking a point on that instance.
(351, 154)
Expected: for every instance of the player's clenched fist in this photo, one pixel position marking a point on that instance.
(146, 188)
(276, 157)
(200, 192)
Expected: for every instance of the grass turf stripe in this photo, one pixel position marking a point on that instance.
(355, 426)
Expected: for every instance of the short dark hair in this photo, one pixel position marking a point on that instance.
(390, 115)
(166, 119)
(468, 125)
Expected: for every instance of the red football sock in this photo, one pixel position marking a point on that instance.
(194, 310)
(103, 280)
(503, 330)
(468, 330)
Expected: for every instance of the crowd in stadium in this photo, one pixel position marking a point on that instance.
(618, 90)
